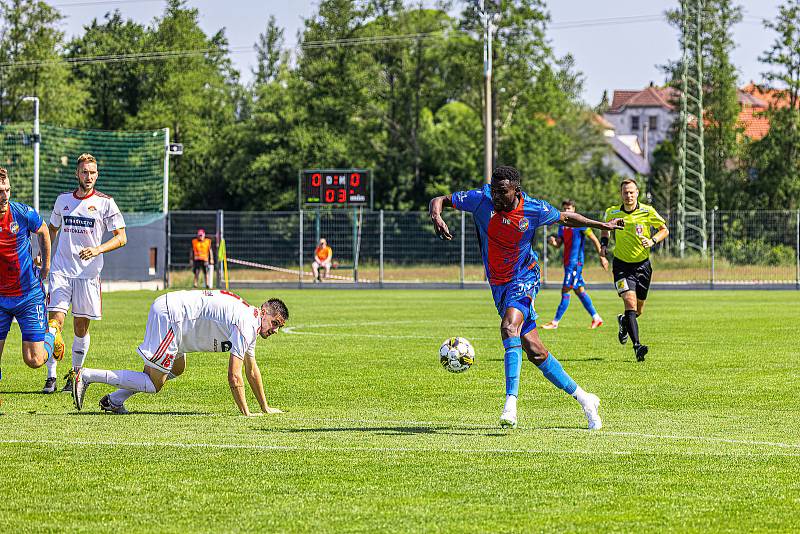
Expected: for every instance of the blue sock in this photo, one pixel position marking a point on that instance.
(552, 370)
(586, 300)
(562, 308)
(513, 360)
(49, 343)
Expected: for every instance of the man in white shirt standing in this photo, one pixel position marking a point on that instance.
(193, 321)
(83, 216)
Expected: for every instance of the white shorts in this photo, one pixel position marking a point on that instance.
(84, 294)
(159, 349)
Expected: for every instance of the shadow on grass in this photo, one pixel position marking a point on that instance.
(106, 414)
(589, 359)
(37, 392)
(386, 430)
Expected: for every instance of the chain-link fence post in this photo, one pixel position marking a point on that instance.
(380, 250)
(219, 237)
(300, 252)
(168, 252)
(713, 248)
(797, 250)
(463, 249)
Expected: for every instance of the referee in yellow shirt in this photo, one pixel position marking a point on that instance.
(631, 266)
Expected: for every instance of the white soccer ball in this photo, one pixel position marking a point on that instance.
(456, 354)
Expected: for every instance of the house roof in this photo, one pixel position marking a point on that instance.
(636, 162)
(649, 97)
(602, 122)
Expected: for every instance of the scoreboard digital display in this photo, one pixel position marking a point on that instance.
(336, 187)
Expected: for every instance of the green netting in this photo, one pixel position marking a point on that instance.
(131, 164)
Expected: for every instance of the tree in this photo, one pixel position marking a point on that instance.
(776, 157)
(30, 47)
(269, 52)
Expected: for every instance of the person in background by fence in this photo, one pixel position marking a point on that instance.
(80, 218)
(631, 267)
(323, 257)
(201, 257)
(574, 240)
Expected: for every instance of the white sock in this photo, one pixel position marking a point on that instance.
(80, 348)
(511, 403)
(133, 380)
(596, 317)
(51, 365)
(580, 395)
(119, 397)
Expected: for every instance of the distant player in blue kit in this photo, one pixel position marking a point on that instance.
(21, 292)
(574, 240)
(506, 219)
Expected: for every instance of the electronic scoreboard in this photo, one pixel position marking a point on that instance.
(335, 187)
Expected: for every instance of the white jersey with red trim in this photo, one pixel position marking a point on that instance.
(213, 321)
(82, 221)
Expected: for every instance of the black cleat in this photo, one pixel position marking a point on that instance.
(641, 352)
(68, 385)
(107, 406)
(49, 385)
(623, 332)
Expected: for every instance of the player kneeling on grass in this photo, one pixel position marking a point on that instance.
(193, 321)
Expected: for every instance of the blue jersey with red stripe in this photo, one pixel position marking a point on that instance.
(18, 275)
(505, 238)
(574, 239)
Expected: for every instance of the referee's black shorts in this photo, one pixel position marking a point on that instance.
(632, 277)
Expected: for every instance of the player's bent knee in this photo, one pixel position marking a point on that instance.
(509, 329)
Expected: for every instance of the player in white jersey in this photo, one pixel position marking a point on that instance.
(82, 216)
(193, 321)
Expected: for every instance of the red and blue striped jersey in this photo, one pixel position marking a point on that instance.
(574, 240)
(505, 238)
(17, 272)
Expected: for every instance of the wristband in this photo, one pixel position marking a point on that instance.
(604, 242)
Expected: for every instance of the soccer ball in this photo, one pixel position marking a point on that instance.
(456, 354)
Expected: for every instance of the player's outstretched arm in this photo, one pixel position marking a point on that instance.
(257, 385)
(435, 212)
(43, 233)
(576, 220)
(237, 385)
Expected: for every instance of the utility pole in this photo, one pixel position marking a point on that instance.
(488, 33)
(692, 232)
(37, 140)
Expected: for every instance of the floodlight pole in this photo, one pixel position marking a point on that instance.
(37, 138)
(165, 193)
(487, 73)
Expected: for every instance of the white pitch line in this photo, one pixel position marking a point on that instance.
(299, 448)
(694, 438)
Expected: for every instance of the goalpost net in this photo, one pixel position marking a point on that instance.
(131, 166)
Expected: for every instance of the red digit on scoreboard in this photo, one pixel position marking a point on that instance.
(355, 179)
(342, 196)
(316, 180)
(330, 195)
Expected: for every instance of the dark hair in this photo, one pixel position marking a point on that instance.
(568, 202)
(628, 181)
(276, 306)
(3, 174)
(504, 172)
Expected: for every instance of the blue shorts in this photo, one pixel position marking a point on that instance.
(30, 313)
(573, 276)
(519, 295)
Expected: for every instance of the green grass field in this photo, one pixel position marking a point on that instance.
(703, 436)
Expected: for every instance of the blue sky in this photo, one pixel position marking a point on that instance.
(623, 54)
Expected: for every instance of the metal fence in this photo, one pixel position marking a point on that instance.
(382, 248)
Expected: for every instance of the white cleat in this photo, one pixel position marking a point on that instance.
(79, 386)
(590, 409)
(508, 419)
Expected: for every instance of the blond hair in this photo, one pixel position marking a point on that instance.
(3, 174)
(628, 181)
(86, 158)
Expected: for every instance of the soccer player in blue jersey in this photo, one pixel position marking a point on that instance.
(21, 290)
(506, 219)
(574, 240)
